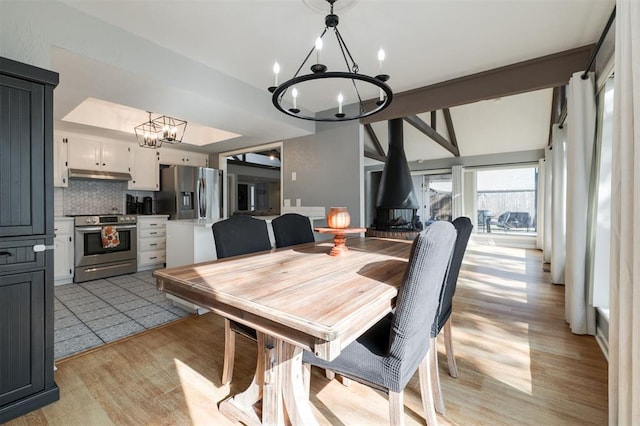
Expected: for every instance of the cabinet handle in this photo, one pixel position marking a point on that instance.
(153, 257)
(5, 253)
(97, 164)
(104, 164)
(153, 245)
(153, 224)
(152, 233)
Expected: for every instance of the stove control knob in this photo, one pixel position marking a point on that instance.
(95, 220)
(88, 220)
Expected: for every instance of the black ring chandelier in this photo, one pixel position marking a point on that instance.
(319, 72)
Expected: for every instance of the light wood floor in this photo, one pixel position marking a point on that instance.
(518, 365)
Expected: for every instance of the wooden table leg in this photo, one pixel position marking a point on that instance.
(296, 398)
(280, 366)
(272, 409)
(241, 406)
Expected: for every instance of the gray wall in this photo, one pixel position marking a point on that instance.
(328, 170)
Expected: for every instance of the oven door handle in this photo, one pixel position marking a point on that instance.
(85, 229)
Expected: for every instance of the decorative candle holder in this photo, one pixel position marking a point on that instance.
(338, 218)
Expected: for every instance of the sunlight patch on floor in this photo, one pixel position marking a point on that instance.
(506, 358)
(201, 394)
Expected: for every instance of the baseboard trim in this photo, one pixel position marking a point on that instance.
(603, 343)
(29, 404)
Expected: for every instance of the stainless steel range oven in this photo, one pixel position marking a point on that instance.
(95, 256)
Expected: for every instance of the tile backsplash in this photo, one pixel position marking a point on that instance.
(84, 196)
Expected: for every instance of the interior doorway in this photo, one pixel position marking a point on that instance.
(254, 180)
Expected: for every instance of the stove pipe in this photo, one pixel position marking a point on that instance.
(396, 188)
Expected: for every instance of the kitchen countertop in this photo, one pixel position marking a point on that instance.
(207, 223)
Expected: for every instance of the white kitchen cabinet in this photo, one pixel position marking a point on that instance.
(183, 158)
(63, 251)
(145, 169)
(60, 169)
(152, 231)
(90, 154)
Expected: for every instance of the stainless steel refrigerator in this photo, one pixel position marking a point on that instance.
(189, 192)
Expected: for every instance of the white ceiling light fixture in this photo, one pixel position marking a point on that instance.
(321, 75)
(164, 129)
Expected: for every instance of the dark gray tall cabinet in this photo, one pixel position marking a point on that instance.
(26, 236)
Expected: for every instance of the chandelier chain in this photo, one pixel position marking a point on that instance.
(354, 67)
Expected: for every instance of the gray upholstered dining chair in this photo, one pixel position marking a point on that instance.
(463, 227)
(291, 229)
(387, 355)
(233, 237)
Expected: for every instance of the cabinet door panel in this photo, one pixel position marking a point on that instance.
(115, 157)
(60, 169)
(83, 154)
(22, 335)
(21, 158)
(144, 169)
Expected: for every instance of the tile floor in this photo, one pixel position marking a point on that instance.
(96, 312)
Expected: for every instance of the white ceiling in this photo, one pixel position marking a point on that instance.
(209, 62)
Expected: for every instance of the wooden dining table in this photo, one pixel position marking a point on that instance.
(296, 298)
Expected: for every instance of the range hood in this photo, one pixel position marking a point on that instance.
(97, 174)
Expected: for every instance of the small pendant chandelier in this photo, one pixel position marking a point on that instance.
(164, 129)
(319, 72)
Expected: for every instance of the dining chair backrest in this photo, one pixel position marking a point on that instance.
(463, 227)
(417, 303)
(291, 229)
(240, 235)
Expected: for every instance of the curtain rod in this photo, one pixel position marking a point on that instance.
(600, 41)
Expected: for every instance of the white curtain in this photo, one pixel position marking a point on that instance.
(540, 206)
(457, 191)
(624, 326)
(581, 130)
(548, 218)
(558, 205)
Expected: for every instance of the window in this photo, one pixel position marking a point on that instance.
(506, 200)
(602, 220)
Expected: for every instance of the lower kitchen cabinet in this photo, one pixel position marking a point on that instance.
(63, 252)
(152, 241)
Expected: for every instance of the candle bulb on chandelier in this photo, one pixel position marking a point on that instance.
(340, 99)
(381, 56)
(294, 93)
(318, 49)
(276, 71)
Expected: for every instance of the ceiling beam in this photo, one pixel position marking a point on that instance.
(535, 74)
(375, 156)
(449, 122)
(417, 122)
(374, 139)
(433, 120)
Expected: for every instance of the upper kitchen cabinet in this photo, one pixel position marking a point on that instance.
(145, 169)
(60, 166)
(96, 155)
(183, 158)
